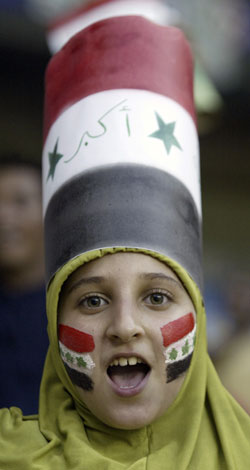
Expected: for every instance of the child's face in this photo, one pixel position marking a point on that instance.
(126, 331)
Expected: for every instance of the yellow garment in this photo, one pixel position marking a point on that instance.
(203, 429)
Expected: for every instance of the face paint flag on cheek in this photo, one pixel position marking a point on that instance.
(75, 347)
(178, 340)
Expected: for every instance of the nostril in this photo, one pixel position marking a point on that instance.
(124, 337)
(123, 329)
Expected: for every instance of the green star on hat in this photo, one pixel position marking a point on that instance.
(166, 134)
(54, 158)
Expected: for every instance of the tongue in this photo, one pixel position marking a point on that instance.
(127, 376)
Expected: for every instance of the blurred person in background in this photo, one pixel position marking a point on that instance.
(23, 335)
(233, 361)
(220, 323)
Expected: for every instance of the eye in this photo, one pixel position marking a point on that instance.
(93, 302)
(158, 298)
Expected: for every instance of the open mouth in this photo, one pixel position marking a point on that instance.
(128, 373)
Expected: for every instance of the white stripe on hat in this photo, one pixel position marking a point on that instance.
(122, 126)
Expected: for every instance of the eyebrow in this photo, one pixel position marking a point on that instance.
(100, 279)
(86, 281)
(152, 276)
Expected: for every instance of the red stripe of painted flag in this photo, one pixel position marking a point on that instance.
(76, 340)
(177, 329)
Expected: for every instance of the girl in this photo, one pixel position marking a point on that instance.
(127, 383)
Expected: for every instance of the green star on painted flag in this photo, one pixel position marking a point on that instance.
(54, 158)
(166, 134)
(173, 354)
(69, 357)
(80, 362)
(185, 348)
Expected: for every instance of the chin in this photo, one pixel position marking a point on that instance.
(131, 426)
(129, 419)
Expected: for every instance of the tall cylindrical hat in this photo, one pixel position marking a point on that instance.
(121, 154)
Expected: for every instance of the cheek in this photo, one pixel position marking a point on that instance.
(76, 348)
(178, 338)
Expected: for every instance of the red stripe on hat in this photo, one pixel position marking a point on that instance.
(177, 329)
(123, 52)
(76, 340)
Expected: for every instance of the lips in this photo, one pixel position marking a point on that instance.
(128, 375)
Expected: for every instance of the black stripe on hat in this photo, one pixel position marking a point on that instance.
(123, 205)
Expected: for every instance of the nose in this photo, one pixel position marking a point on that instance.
(125, 323)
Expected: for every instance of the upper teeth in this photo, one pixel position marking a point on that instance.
(125, 361)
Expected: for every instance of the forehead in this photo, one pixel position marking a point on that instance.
(122, 265)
